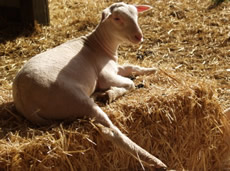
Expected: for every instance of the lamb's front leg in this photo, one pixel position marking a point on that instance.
(117, 86)
(128, 70)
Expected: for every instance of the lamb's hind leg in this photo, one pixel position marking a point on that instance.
(112, 133)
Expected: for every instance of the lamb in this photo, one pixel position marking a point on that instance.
(58, 84)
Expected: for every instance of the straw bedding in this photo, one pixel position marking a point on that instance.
(176, 114)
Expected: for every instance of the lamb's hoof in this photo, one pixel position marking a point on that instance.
(160, 169)
(103, 98)
(161, 166)
(163, 169)
(141, 85)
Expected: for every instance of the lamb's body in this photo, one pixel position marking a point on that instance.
(53, 82)
(57, 84)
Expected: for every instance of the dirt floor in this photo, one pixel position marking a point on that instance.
(184, 37)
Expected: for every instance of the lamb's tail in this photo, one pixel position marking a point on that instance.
(122, 141)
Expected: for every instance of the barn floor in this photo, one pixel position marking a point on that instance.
(185, 39)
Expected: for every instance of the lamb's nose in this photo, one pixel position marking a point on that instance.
(139, 37)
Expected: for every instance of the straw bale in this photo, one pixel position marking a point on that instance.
(175, 114)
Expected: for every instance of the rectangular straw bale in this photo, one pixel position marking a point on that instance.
(178, 118)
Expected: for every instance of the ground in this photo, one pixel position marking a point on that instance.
(183, 36)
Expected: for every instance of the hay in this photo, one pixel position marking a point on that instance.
(177, 119)
(177, 115)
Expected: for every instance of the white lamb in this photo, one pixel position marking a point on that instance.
(58, 84)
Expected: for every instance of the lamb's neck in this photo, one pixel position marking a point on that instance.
(102, 39)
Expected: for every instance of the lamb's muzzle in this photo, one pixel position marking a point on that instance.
(58, 84)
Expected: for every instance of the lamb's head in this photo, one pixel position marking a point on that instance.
(122, 20)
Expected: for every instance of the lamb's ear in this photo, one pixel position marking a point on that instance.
(143, 8)
(105, 14)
